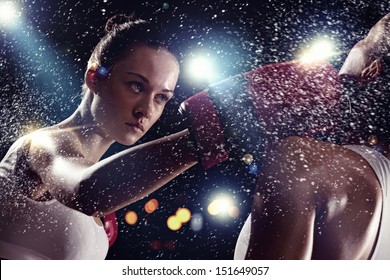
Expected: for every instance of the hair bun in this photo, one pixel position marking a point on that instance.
(115, 21)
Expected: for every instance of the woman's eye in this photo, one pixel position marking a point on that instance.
(136, 86)
(162, 97)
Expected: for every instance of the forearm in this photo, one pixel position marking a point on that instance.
(134, 173)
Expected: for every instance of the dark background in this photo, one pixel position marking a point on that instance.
(42, 63)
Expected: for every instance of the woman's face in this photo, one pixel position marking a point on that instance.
(132, 98)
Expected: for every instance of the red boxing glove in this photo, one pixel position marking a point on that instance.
(247, 113)
(111, 228)
(206, 129)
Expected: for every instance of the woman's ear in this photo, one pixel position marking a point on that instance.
(91, 80)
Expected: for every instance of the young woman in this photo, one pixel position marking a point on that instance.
(53, 188)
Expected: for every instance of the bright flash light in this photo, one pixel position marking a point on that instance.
(8, 13)
(322, 49)
(30, 128)
(223, 206)
(201, 68)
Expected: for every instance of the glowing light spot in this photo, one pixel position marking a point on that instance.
(234, 212)
(213, 209)
(196, 222)
(219, 206)
(151, 206)
(102, 71)
(247, 158)
(174, 223)
(201, 68)
(8, 12)
(32, 127)
(223, 206)
(131, 218)
(253, 168)
(165, 6)
(322, 49)
(183, 214)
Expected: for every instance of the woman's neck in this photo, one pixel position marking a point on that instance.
(93, 142)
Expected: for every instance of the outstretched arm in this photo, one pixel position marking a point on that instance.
(369, 50)
(134, 173)
(119, 180)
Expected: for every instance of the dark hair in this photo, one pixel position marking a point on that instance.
(123, 31)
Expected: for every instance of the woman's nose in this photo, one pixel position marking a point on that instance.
(144, 108)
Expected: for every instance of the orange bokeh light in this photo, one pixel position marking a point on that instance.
(151, 206)
(131, 217)
(234, 212)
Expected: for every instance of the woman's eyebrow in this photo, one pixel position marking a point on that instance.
(139, 75)
(168, 90)
(146, 80)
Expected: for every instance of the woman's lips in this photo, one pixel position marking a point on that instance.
(136, 126)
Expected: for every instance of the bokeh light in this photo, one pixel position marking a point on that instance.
(201, 68)
(196, 222)
(174, 223)
(9, 12)
(213, 208)
(131, 218)
(223, 206)
(165, 6)
(220, 205)
(321, 49)
(233, 211)
(32, 127)
(151, 206)
(183, 214)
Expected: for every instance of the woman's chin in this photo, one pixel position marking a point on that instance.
(128, 141)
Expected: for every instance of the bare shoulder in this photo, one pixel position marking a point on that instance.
(50, 144)
(55, 156)
(315, 167)
(329, 191)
